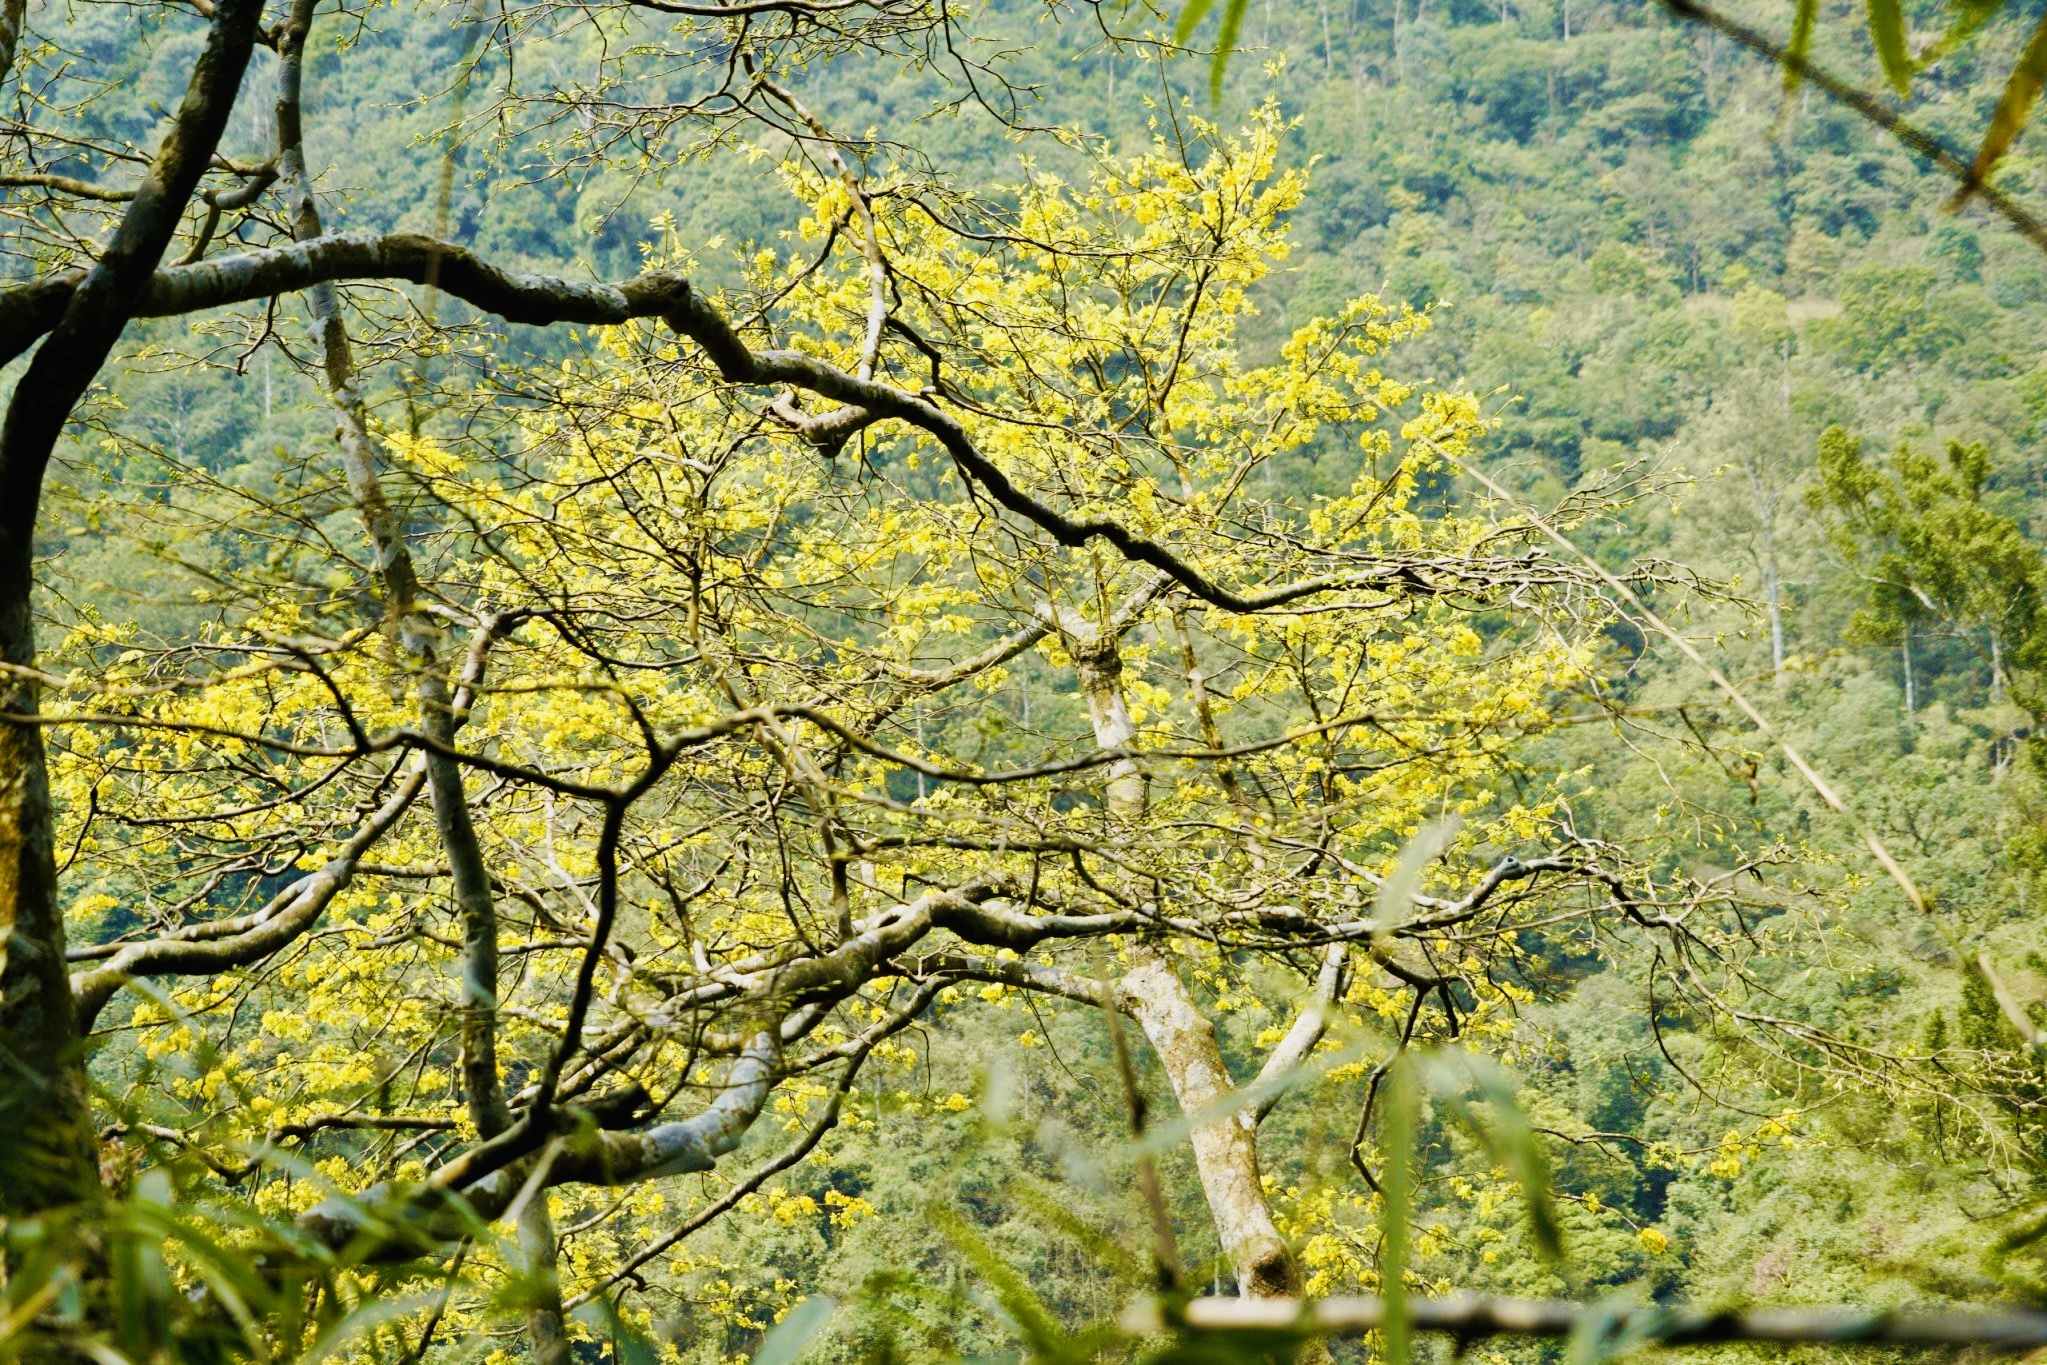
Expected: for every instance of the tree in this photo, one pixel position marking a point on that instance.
(1932, 546)
(646, 652)
(729, 777)
(949, 612)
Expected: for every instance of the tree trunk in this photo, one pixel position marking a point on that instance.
(1776, 609)
(49, 1157)
(544, 1312)
(1226, 1146)
(419, 640)
(1910, 706)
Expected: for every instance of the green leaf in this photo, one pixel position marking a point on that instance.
(1053, 1203)
(1801, 43)
(1427, 845)
(1613, 1327)
(2028, 1233)
(786, 1339)
(1397, 1135)
(629, 1346)
(2013, 106)
(1034, 1322)
(1225, 43)
(1509, 1140)
(1970, 15)
(1597, 1337)
(374, 1311)
(1887, 27)
(1190, 19)
(228, 1275)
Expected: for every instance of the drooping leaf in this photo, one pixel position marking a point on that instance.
(1190, 19)
(2020, 90)
(1800, 46)
(1397, 1136)
(2028, 1232)
(364, 1317)
(1887, 27)
(786, 1339)
(1033, 1321)
(1608, 1330)
(1225, 44)
(1970, 15)
(1427, 845)
(230, 1279)
(1053, 1203)
(141, 1280)
(1508, 1138)
(629, 1346)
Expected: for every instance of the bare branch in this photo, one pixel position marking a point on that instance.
(29, 310)
(205, 949)
(1470, 1316)
(423, 1216)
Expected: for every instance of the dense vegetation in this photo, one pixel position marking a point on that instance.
(575, 838)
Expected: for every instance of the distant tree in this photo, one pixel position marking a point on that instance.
(1932, 545)
(1890, 35)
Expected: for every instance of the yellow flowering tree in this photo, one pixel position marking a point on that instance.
(502, 811)
(977, 621)
(542, 808)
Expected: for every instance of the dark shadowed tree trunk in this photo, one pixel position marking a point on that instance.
(50, 1157)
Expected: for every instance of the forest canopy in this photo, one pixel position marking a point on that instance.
(855, 680)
